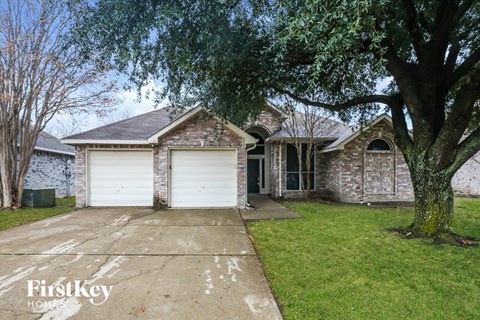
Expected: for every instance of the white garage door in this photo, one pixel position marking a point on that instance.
(120, 178)
(203, 179)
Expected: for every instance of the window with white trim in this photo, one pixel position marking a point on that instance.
(293, 170)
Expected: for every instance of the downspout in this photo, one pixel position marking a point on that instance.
(254, 146)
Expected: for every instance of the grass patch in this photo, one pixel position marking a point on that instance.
(12, 218)
(338, 262)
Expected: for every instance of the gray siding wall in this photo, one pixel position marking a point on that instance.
(47, 170)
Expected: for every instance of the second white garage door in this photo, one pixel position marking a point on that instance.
(120, 178)
(203, 179)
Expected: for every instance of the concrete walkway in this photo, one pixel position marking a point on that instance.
(266, 208)
(173, 264)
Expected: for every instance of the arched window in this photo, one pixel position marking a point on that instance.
(260, 148)
(378, 145)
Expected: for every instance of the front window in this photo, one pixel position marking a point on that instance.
(293, 170)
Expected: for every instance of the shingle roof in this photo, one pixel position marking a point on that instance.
(48, 142)
(354, 132)
(332, 130)
(140, 127)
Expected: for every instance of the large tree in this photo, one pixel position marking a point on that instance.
(41, 74)
(231, 55)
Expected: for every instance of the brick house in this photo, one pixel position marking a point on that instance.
(196, 160)
(52, 166)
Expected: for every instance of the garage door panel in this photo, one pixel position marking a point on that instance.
(205, 189)
(120, 178)
(219, 185)
(203, 178)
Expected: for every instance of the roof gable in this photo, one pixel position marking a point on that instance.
(347, 137)
(191, 113)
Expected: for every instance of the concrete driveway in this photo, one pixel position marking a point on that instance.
(133, 263)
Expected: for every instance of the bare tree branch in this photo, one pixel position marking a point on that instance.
(40, 75)
(305, 125)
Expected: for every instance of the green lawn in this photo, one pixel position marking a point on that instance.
(12, 218)
(337, 262)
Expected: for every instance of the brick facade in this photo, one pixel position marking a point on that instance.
(352, 174)
(466, 181)
(200, 133)
(81, 176)
(269, 119)
(266, 124)
(47, 170)
(355, 174)
(278, 168)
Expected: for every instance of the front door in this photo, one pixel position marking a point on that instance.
(253, 180)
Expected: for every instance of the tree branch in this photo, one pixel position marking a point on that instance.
(466, 149)
(402, 135)
(462, 9)
(464, 68)
(378, 98)
(451, 60)
(412, 27)
(455, 125)
(444, 21)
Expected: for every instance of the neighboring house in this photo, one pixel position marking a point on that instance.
(52, 166)
(466, 181)
(196, 160)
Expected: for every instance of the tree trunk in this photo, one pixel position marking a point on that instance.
(19, 191)
(6, 191)
(308, 165)
(433, 202)
(306, 192)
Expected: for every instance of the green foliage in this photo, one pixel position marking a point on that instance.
(197, 48)
(338, 262)
(232, 55)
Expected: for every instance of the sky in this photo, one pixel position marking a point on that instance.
(129, 106)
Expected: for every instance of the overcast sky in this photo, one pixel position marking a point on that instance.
(128, 107)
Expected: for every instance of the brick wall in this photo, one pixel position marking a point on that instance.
(81, 179)
(47, 170)
(355, 174)
(275, 164)
(373, 176)
(268, 119)
(200, 132)
(467, 180)
(328, 174)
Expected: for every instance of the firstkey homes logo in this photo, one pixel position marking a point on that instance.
(96, 294)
